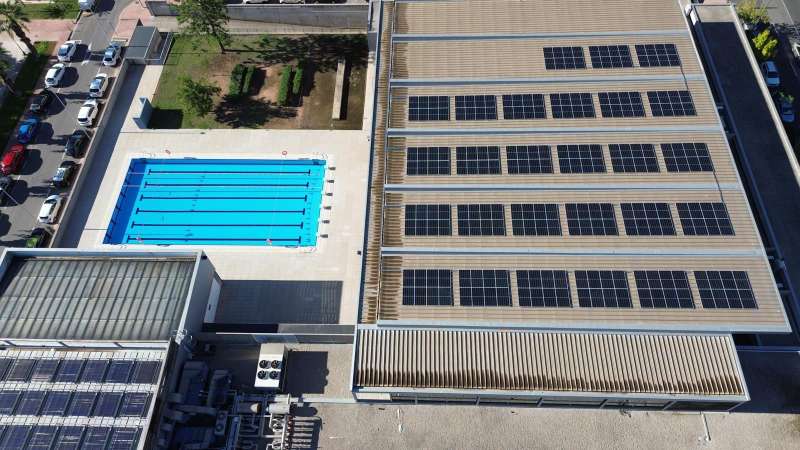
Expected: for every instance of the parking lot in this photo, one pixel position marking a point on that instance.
(32, 184)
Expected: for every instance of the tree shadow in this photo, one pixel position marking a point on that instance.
(249, 112)
(166, 119)
(323, 50)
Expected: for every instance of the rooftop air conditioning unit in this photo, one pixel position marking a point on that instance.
(270, 370)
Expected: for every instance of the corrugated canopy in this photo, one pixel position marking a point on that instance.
(96, 298)
(702, 365)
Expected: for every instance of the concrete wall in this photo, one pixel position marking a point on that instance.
(195, 309)
(330, 16)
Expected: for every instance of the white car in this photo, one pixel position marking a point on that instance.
(67, 51)
(250, 2)
(770, 72)
(291, 1)
(54, 75)
(97, 88)
(88, 113)
(112, 53)
(796, 50)
(50, 208)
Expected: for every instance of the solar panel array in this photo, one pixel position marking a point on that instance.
(628, 158)
(524, 106)
(427, 220)
(481, 220)
(581, 158)
(535, 219)
(430, 107)
(591, 219)
(671, 103)
(610, 56)
(657, 55)
(476, 107)
(558, 58)
(528, 159)
(550, 288)
(478, 160)
(621, 104)
(572, 105)
(647, 219)
(53, 437)
(428, 161)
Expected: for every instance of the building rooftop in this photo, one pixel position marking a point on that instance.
(94, 297)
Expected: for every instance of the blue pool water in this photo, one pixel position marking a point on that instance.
(219, 202)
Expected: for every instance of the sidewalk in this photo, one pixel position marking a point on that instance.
(128, 19)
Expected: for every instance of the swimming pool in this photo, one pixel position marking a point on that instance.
(219, 202)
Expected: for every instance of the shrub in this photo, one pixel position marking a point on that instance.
(297, 83)
(765, 45)
(752, 11)
(248, 79)
(283, 90)
(235, 82)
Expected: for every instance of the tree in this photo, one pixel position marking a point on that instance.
(12, 21)
(201, 18)
(5, 67)
(752, 11)
(198, 96)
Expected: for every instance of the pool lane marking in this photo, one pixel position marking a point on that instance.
(172, 211)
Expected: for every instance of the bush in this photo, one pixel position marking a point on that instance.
(297, 83)
(752, 12)
(765, 45)
(235, 82)
(283, 90)
(247, 82)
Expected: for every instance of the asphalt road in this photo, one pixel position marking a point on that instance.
(32, 185)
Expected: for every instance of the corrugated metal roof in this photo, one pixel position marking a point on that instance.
(93, 298)
(702, 365)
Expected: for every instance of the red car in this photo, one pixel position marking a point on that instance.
(12, 160)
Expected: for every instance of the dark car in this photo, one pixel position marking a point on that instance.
(37, 238)
(63, 174)
(27, 130)
(41, 102)
(76, 143)
(5, 190)
(12, 159)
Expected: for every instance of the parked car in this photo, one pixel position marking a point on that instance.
(97, 88)
(41, 102)
(784, 104)
(76, 143)
(291, 1)
(67, 51)
(112, 54)
(13, 159)
(49, 209)
(796, 49)
(770, 72)
(5, 190)
(88, 113)
(54, 75)
(249, 2)
(37, 238)
(63, 174)
(27, 130)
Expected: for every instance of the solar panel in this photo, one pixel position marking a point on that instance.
(123, 438)
(524, 106)
(146, 372)
(107, 404)
(69, 438)
(427, 287)
(657, 55)
(536, 219)
(428, 161)
(602, 289)
(725, 289)
(484, 288)
(633, 157)
(573, 105)
(663, 289)
(671, 103)
(647, 219)
(591, 219)
(134, 404)
(42, 437)
(119, 371)
(5, 363)
(95, 438)
(432, 107)
(8, 401)
(705, 219)
(56, 403)
(94, 371)
(45, 370)
(82, 404)
(481, 220)
(558, 58)
(482, 160)
(528, 159)
(15, 437)
(427, 220)
(621, 104)
(581, 158)
(31, 403)
(20, 370)
(69, 371)
(610, 56)
(476, 107)
(687, 157)
(543, 288)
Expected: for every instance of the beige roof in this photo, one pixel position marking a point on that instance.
(482, 47)
(696, 365)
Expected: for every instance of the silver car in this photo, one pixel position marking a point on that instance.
(97, 88)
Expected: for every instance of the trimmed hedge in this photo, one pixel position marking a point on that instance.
(235, 82)
(297, 84)
(283, 90)
(247, 82)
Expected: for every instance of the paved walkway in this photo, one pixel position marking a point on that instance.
(165, 23)
(129, 17)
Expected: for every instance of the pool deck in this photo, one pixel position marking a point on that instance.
(336, 257)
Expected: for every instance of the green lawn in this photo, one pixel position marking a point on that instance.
(14, 106)
(69, 10)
